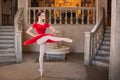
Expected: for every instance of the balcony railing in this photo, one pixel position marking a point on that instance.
(66, 15)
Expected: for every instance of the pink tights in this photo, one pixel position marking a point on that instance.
(41, 42)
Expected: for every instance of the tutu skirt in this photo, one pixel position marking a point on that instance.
(34, 39)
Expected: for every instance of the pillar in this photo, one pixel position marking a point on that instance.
(114, 69)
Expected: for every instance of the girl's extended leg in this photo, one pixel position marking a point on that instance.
(41, 57)
(45, 38)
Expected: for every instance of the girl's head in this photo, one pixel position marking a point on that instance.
(41, 15)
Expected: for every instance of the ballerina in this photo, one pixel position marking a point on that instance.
(41, 37)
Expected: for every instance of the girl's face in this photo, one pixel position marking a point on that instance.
(42, 16)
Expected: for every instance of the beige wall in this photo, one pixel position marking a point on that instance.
(99, 4)
(0, 12)
(75, 32)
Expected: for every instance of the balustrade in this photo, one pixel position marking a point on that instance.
(66, 15)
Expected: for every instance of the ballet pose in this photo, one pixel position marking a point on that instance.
(41, 37)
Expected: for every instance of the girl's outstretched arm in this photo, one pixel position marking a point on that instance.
(29, 32)
(52, 30)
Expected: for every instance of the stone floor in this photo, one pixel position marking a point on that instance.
(70, 69)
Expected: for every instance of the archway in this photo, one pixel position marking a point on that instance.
(109, 13)
(9, 9)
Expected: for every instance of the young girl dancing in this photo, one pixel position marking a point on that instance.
(41, 37)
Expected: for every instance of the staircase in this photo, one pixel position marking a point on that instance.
(102, 56)
(7, 44)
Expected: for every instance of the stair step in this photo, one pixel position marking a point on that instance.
(8, 54)
(107, 28)
(107, 35)
(105, 47)
(107, 38)
(8, 60)
(7, 27)
(100, 63)
(102, 58)
(7, 50)
(103, 52)
(7, 41)
(106, 42)
(7, 30)
(6, 45)
(107, 31)
(7, 33)
(7, 37)
(103, 55)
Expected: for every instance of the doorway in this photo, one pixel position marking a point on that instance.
(109, 13)
(9, 9)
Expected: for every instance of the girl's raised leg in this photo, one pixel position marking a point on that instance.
(45, 38)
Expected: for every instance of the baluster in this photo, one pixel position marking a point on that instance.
(93, 16)
(55, 16)
(50, 15)
(65, 16)
(88, 16)
(82, 16)
(71, 18)
(34, 16)
(60, 13)
(76, 17)
(29, 17)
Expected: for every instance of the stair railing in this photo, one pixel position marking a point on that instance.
(18, 24)
(93, 39)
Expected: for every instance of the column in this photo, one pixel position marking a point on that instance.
(114, 69)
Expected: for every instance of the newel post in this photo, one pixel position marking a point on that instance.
(18, 44)
(87, 48)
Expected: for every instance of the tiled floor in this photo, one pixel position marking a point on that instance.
(70, 69)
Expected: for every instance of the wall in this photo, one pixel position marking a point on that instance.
(99, 4)
(75, 32)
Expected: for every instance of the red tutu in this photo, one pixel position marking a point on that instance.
(40, 29)
(34, 39)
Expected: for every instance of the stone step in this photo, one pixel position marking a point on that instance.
(107, 31)
(8, 54)
(106, 35)
(102, 58)
(7, 34)
(100, 63)
(107, 28)
(8, 60)
(106, 42)
(103, 52)
(7, 30)
(7, 27)
(7, 37)
(7, 41)
(6, 45)
(107, 38)
(103, 55)
(7, 50)
(105, 47)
